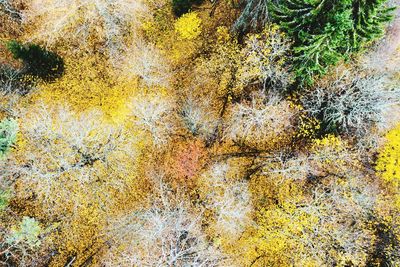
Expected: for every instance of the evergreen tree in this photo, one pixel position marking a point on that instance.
(327, 31)
(38, 61)
(181, 7)
(254, 15)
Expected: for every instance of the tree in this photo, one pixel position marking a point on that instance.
(351, 102)
(10, 18)
(145, 61)
(321, 225)
(8, 135)
(387, 163)
(154, 115)
(228, 200)
(21, 242)
(180, 7)
(86, 23)
(199, 118)
(79, 168)
(254, 15)
(60, 148)
(8, 8)
(388, 210)
(188, 26)
(265, 57)
(263, 122)
(165, 234)
(38, 61)
(326, 32)
(12, 81)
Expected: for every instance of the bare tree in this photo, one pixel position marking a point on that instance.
(260, 121)
(146, 62)
(199, 118)
(154, 114)
(63, 149)
(342, 208)
(352, 103)
(326, 157)
(165, 234)
(229, 200)
(82, 21)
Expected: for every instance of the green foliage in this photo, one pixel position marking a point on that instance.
(254, 16)
(327, 31)
(8, 135)
(181, 7)
(38, 61)
(4, 199)
(28, 232)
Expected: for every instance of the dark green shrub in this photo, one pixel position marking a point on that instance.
(181, 7)
(37, 61)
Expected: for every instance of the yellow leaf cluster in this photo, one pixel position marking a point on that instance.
(86, 84)
(388, 163)
(188, 26)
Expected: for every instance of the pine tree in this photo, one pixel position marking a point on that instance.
(38, 61)
(327, 31)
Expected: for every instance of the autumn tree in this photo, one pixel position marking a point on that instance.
(74, 164)
(265, 59)
(166, 233)
(86, 23)
(388, 210)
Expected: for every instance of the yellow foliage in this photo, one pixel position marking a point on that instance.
(88, 83)
(388, 168)
(188, 26)
(388, 163)
(280, 226)
(330, 141)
